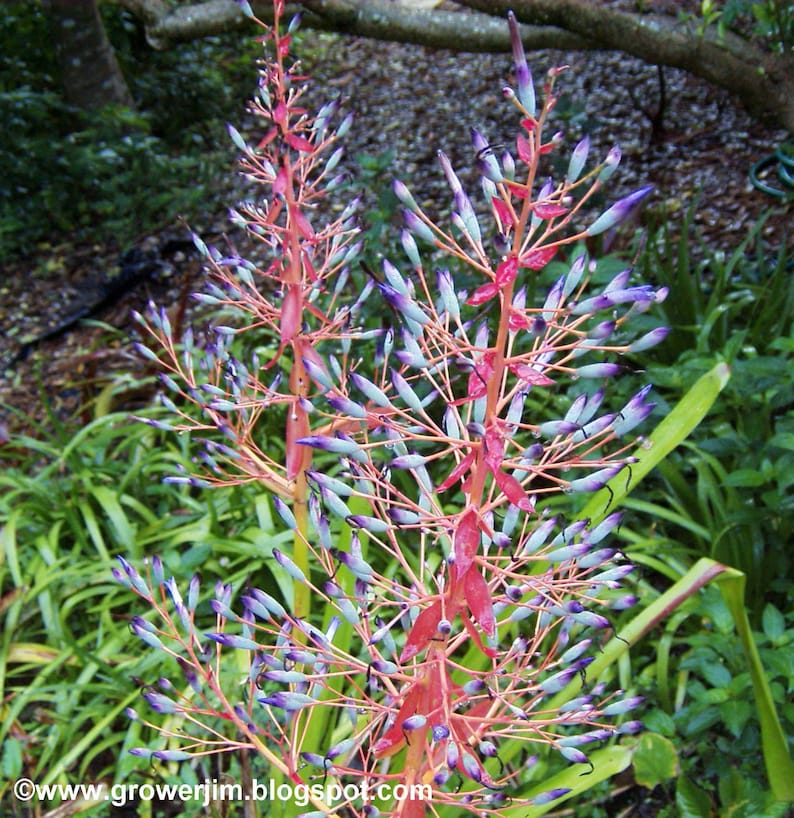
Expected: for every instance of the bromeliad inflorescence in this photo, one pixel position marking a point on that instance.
(441, 603)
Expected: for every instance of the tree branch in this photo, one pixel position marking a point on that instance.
(763, 81)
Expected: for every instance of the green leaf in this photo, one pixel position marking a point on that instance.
(691, 801)
(675, 428)
(746, 478)
(735, 714)
(773, 623)
(655, 760)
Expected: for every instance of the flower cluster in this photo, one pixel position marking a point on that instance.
(441, 604)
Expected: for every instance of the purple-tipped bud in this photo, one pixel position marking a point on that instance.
(285, 677)
(440, 732)
(404, 195)
(159, 703)
(230, 640)
(567, 552)
(372, 524)
(486, 161)
(629, 728)
(623, 706)
(552, 428)
(578, 159)
(418, 227)
(452, 177)
(633, 413)
(171, 755)
(623, 603)
(288, 701)
(573, 755)
(415, 722)
(453, 754)
(271, 605)
(408, 461)
(619, 212)
(597, 480)
(603, 370)
(650, 339)
(549, 796)
(526, 89)
(410, 248)
(610, 163)
(471, 767)
(555, 683)
(347, 407)
(145, 631)
(234, 134)
(289, 566)
(370, 390)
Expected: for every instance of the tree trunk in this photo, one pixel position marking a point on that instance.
(90, 72)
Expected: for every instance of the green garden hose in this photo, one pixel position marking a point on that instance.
(783, 157)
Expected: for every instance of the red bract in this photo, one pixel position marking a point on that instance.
(538, 258)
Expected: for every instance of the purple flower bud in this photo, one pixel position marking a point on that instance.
(408, 461)
(567, 552)
(372, 524)
(555, 683)
(405, 197)
(549, 796)
(285, 676)
(552, 428)
(146, 632)
(578, 159)
(485, 155)
(231, 640)
(452, 755)
(289, 566)
(623, 603)
(610, 163)
(623, 706)
(417, 227)
(410, 248)
(440, 732)
(573, 755)
(347, 407)
(633, 413)
(337, 445)
(629, 728)
(526, 90)
(618, 213)
(415, 722)
(597, 480)
(539, 536)
(159, 703)
(286, 700)
(471, 767)
(171, 755)
(271, 605)
(603, 370)
(650, 339)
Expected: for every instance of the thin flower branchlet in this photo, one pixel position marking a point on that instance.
(442, 599)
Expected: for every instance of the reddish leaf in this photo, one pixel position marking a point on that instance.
(483, 294)
(517, 320)
(424, 629)
(530, 375)
(481, 376)
(524, 148)
(472, 631)
(456, 473)
(394, 738)
(280, 113)
(299, 143)
(478, 597)
(538, 259)
(494, 447)
(283, 44)
(466, 541)
(513, 490)
(503, 212)
(550, 211)
(506, 271)
(301, 222)
(529, 124)
(280, 182)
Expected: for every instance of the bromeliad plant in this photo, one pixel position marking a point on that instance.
(441, 618)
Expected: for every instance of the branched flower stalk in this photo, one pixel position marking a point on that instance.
(440, 603)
